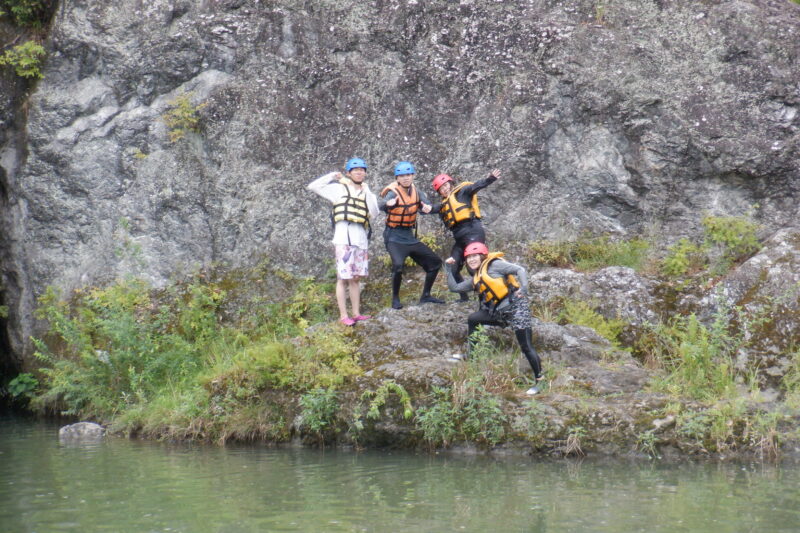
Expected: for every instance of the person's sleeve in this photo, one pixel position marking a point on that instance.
(504, 268)
(383, 199)
(453, 285)
(372, 204)
(423, 198)
(322, 186)
(466, 192)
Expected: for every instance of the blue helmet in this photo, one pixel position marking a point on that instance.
(356, 162)
(404, 167)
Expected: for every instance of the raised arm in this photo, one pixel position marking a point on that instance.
(323, 186)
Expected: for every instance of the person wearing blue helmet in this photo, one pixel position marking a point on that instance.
(402, 201)
(354, 206)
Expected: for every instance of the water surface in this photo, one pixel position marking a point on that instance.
(133, 486)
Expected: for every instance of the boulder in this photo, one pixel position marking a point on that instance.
(81, 432)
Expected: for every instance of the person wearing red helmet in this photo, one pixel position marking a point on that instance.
(461, 214)
(502, 293)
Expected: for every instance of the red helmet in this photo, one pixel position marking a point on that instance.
(476, 248)
(440, 180)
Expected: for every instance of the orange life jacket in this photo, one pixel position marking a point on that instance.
(404, 213)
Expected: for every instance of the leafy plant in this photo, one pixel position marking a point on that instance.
(379, 396)
(319, 407)
(534, 422)
(26, 59)
(552, 253)
(726, 240)
(699, 358)
(736, 235)
(682, 257)
(182, 117)
(23, 386)
(25, 12)
(472, 413)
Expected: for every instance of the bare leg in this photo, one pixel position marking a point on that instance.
(341, 297)
(355, 295)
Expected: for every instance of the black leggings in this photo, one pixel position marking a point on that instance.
(522, 331)
(418, 252)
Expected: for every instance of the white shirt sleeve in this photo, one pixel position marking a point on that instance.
(372, 202)
(327, 186)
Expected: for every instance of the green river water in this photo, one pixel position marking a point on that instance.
(132, 486)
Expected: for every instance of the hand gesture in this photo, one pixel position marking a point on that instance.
(426, 208)
(450, 261)
(495, 173)
(392, 202)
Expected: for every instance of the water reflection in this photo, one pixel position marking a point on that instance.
(123, 485)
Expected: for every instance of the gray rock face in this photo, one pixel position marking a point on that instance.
(617, 292)
(81, 432)
(643, 115)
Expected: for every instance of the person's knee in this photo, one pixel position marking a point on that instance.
(397, 269)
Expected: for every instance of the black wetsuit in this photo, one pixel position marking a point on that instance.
(403, 242)
(466, 231)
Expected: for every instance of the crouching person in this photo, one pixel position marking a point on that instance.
(501, 288)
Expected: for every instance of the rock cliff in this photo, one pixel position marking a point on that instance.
(624, 117)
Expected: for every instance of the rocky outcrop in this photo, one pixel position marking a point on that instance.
(413, 346)
(613, 117)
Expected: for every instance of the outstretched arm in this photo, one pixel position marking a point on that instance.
(469, 190)
(452, 284)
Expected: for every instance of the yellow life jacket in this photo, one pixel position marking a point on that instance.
(454, 211)
(352, 208)
(492, 291)
(404, 212)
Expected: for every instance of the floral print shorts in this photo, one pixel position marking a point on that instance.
(351, 261)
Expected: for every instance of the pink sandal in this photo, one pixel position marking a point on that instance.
(359, 318)
(347, 321)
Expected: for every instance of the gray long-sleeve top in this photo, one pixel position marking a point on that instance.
(497, 268)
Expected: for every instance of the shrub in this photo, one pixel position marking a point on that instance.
(699, 359)
(26, 59)
(600, 252)
(583, 314)
(552, 253)
(117, 348)
(591, 253)
(182, 117)
(736, 236)
(682, 257)
(319, 409)
(468, 411)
